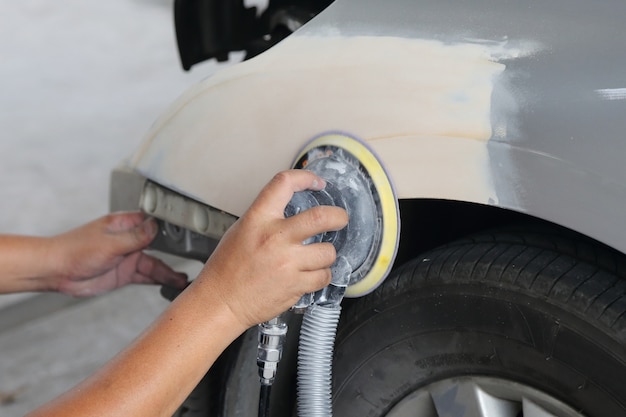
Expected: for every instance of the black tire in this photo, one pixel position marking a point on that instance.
(531, 310)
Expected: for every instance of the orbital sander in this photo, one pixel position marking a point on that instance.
(357, 182)
(366, 248)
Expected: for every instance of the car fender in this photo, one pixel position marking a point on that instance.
(482, 105)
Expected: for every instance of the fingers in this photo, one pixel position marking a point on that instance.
(140, 268)
(151, 270)
(312, 281)
(131, 231)
(277, 193)
(123, 221)
(316, 220)
(315, 256)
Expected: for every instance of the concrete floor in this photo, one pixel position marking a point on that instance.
(81, 80)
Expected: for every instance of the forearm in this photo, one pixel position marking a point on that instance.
(155, 374)
(26, 264)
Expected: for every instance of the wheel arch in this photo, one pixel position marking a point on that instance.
(429, 223)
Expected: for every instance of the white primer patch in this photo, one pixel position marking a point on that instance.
(422, 105)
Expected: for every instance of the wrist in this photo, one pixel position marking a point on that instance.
(207, 289)
(201, 312)
(45, 273)
(54, 262)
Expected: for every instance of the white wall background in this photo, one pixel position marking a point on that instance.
(80, 83)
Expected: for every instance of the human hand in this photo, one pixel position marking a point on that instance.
(261, 267)
(106, 254)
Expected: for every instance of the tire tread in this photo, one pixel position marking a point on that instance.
(584, 277)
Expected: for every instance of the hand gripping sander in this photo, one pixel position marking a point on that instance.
(366, 248)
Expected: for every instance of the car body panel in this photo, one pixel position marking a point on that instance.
(518, 105)
(435, 124)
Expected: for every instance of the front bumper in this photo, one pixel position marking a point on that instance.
(187, 227)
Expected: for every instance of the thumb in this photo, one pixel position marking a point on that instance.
(137, 237)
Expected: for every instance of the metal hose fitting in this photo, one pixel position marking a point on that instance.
(315, 358)
(272, 336)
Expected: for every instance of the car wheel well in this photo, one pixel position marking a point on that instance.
(429, 223)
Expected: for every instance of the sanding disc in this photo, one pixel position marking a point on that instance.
(355, 154)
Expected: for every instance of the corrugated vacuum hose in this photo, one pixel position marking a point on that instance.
(315, 359)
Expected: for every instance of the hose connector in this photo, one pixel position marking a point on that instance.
(272, 336)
